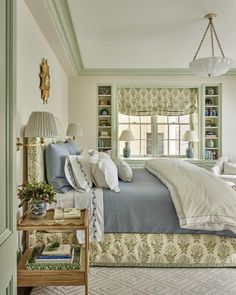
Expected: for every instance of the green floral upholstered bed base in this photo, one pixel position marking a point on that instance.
(154, 250)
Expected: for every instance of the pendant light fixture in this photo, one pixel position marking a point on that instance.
(214, 65)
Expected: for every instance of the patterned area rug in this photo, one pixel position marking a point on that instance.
(156, 281)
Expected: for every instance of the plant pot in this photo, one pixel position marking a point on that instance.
(37, 210)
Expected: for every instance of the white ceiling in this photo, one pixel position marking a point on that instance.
(142, 34)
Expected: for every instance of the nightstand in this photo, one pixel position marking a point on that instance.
(54, 277)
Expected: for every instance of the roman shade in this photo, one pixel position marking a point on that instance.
(157, 101)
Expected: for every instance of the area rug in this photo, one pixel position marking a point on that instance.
(156, 281)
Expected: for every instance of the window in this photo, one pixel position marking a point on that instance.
(141, 128)
(170, 131)
(155, 135)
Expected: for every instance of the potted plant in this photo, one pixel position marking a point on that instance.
(37, 195)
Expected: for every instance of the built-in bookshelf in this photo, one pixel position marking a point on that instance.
(212, 122)
(104, 115)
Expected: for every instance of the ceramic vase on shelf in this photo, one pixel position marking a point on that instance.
(210, 143)
(37, 209)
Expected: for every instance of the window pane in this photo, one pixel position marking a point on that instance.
(163, 129)
(134, 119)
(174, 132)
(145, 119)
(184, 119)
(135, 148)
(160, 143)
(135, 130)
(145, 129)
(162, 119)
(123, 118)
(173, 119)
(165, 147)
(146, 147)
(173, 147)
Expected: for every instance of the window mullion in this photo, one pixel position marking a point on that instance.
(154, 135)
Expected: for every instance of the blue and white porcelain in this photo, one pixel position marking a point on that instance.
(37, 210)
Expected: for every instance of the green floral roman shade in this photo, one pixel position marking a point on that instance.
(157, 101)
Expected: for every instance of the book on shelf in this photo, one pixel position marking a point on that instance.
(211, 136)
(72, 263)
(71, 213)
(55, 259)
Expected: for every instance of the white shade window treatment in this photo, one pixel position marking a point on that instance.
(157, 101)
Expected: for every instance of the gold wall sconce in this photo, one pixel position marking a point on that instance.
(44, 80)
(40, 124)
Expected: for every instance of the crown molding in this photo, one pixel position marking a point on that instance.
(141, 72)
(61, 17)
(60, 14)
(134, 72)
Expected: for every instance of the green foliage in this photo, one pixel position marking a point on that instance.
(36, 191)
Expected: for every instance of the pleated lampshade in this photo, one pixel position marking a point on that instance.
(41, 124)
(126, 135)
(74, 129)
(190, 135)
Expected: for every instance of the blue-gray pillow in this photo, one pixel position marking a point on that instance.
(72, 147)
(55, 155)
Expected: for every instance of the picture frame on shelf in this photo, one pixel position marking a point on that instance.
(104, 123)
(104, 133)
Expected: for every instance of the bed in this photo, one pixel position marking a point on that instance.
(142, 229)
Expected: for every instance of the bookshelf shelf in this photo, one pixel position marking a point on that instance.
(212, 121)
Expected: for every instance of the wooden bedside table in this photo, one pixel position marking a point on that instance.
(26, 278)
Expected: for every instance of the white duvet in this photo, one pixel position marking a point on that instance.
(201, 199)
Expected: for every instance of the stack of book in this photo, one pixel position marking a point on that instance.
(59, 257)
(61, 254)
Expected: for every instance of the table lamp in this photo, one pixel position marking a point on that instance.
(190, 136)
(126, 136)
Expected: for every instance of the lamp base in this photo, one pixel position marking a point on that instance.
(189, 151)
(126, 150)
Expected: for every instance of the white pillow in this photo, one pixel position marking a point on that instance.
(104, 171)
(229, 168)
(78, 171)
(124, 170)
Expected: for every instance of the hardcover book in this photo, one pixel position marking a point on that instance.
(31, 263)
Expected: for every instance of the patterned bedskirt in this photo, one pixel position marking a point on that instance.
(154, 250)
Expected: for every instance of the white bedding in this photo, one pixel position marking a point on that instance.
(201, 199)
(92, 200)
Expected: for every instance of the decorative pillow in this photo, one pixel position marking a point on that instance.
(55, 155)
(229, 168)
(78, 171)
(104, 171)
(124, 170)
(72, 147)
